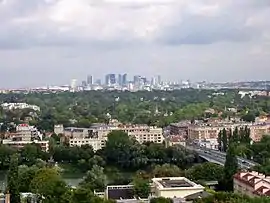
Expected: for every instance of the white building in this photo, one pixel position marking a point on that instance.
(174, 187)
(12, 106)
(97, 134)
(95, 143)
(24, 135)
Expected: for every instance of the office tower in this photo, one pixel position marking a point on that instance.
(90, 80)
(153, 81)
(110, 79)
(119, 80)
(124, 79)
(107, 79)
(98, 81)
(137, 80)
(159, 80)
(143, 80)
(84, 84)
(73, 85)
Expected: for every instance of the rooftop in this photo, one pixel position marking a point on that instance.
(167, 183)
(174, 183)
(120, 192)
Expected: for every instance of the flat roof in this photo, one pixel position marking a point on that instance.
(169, 183)
(120, 192)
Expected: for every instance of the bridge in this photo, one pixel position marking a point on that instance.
(218, 157)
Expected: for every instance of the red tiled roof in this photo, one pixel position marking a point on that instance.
(260, 192)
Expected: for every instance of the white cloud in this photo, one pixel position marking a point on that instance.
(108, 20)
(79, 27)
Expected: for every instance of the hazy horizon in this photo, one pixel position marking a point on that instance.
(46, 42)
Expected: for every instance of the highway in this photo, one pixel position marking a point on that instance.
(218, 157)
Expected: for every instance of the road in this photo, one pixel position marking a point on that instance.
(218, 157)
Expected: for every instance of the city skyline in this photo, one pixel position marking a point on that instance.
(46, 42)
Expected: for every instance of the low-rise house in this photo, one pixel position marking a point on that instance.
(251, 184)
(179, 189)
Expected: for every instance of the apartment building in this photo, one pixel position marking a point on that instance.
(209, 131)
(24, 135)
(251, 184)
(11, 106)
(94, 142)
(180, 128)
(143, 133)
(98, 134)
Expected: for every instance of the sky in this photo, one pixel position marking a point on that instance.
(46, 42)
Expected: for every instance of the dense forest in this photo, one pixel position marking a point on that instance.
(154, 108)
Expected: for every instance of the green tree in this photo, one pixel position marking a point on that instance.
(30, 153)
(141, 187)
(26, 175)
(161, 200)
(95, 179)
(249, 117)
(219, 141)
(12, 181)
(166, 170)
(224, 140)
(236, 136)
(230, 168)
(49, 186)
(122, 151)
(6, 153)
(205, 171)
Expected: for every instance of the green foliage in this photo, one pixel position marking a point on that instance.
(124, 152)
(205, 172)
(224, 140)
(84, 195)
(261, 154)
(26, 175)
(141, 186)
(261, 150)
(5, 154)
(240, 136)
(140, 107)
(95, 179)
(166, 170)
(30, 153)
(48, 185)
(249, 117)
(230, 168)
(12, 181)
(231, 198)
(81, 157)
(161, 200)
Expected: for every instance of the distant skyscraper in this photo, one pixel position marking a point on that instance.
(73, 85)
(84, 84)
(153, 81)
(90, 80)
(120, 80)
(143, 80)
(98, 82)
(137, 80)
(110, 79)
(124, 79)
(159, 80)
